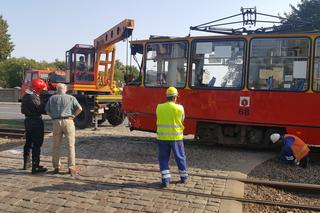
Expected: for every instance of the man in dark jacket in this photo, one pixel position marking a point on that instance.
(32, 108)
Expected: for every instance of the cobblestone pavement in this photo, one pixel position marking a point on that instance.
(119, 173)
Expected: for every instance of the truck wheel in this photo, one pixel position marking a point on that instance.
(84, 119)
(115, 115)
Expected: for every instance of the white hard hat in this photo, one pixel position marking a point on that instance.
(275, 137)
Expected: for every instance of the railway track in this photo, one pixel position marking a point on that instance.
(291, 186)
(297, 187)
(17, 133)
(197, 194)
(12, 133)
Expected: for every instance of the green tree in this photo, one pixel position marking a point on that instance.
(11, 71)
(59, 65)
(305, 17)
(120, 70)
(6, 46)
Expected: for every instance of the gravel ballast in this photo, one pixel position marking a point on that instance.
(276, 171)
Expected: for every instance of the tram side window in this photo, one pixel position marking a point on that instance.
(279, 64)
(217, 64)
(316, 73)
(166, 64)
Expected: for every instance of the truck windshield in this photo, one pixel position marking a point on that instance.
(84, 66)
(44, 75)
(57, 77)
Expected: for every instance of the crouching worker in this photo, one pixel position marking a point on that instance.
(32, 107)
(170, 118)
(294, 150)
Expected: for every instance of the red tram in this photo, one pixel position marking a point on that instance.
(236, 89)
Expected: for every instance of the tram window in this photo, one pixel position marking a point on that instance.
(166, 64)
(316, 67)
(279, 64)
(217, 64)
(134, 75)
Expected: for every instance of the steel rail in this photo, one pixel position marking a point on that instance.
(17, 130)
(14, 132)
(11, 135)
(223, 197)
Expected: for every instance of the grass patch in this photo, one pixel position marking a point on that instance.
(13, 123)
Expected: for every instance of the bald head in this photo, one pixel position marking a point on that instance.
(61, 88)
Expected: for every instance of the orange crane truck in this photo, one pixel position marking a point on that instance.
(90, 77)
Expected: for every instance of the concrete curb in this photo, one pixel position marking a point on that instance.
(233, 188)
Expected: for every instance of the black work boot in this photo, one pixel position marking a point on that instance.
(36, 168)
(304, 162)
(26, 162)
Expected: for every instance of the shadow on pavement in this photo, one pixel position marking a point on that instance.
(143, 150)
(12, 172)
(87, 185)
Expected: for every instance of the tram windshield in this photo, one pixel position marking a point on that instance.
(166, 64)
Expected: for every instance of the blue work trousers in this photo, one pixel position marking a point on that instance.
(164, 150)
(286, 155)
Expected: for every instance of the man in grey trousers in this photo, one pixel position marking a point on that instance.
(63, 108)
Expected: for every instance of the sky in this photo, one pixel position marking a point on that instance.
(44, 30)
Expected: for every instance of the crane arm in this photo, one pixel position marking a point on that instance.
(119, 32)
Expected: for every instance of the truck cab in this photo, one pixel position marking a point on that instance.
(80, 62)
(52, 77)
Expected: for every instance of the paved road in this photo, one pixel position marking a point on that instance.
(12, 111)
(120, 173)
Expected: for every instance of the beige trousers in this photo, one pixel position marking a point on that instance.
(63, 127)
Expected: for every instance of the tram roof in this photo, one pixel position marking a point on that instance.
(267, 35)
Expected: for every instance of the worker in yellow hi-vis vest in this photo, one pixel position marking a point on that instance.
(170, 127)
